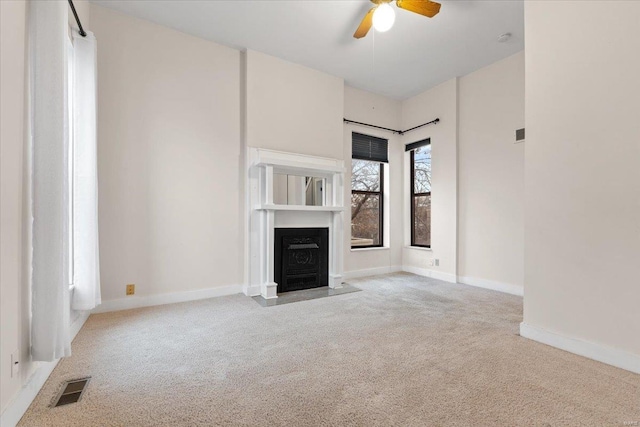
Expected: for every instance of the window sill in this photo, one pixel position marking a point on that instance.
(419, 248)
(377, 248)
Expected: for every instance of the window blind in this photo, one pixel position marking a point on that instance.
(365, 147)
(418, 144)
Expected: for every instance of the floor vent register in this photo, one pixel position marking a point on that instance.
(71, 392)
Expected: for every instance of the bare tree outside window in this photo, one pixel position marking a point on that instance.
(367, 179)
(421, 196)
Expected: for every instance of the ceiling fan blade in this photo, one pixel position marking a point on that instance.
(423, 7)
(365, 25)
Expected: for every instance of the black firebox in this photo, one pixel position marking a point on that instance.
(301, 258)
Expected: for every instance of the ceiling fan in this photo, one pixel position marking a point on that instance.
(382, 16)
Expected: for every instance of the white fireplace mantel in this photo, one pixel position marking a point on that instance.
(265, 216)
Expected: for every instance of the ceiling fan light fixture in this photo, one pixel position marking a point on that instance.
(383, 17)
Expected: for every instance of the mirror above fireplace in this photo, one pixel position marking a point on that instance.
(298, 190)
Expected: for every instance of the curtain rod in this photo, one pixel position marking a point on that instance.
(400, 132)
(75, 14)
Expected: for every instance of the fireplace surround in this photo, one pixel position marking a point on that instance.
(264, 217)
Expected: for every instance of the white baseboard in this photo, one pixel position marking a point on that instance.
(601, 353)
(16, 409)
(355, 274)
(169, 298)
(490, 284)
(21, 402)
(79, 323)
(451, 278)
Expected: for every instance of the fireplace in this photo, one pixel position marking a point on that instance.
(301, 258)
(270, 221)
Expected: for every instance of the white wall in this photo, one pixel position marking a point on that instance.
(439, 102)
(292, 108)
(491, 174)
(12, 87)
(582, 182)
(366, 107)
(169, 150)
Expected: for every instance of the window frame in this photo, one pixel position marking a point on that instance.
(380, 194)
(412, 198)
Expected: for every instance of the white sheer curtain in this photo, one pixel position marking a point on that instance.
(86, 270)
(48, 130)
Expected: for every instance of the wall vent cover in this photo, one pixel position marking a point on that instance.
(71, 391)
(520, 135)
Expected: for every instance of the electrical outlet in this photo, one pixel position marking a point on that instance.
(15, 363)
(131, 289)
(436, 261)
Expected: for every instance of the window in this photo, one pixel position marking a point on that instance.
(367, 190)
(366, 203)
(420, 193)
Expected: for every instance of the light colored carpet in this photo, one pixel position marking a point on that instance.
(406, 351)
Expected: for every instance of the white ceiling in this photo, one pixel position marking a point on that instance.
(416, 54)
